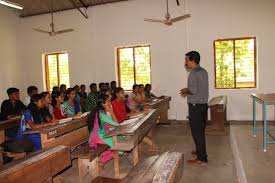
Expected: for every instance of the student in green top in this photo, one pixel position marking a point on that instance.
(100, 119)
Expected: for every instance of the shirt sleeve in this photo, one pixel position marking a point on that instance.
(193, 83)
(104, 118)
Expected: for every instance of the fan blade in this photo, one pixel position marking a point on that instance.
(180, 18)
(39, 30)
(153, 20)
(64, 31)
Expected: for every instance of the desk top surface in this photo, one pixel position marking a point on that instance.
(264, 97)
(60, 125)
(129, 129)
(10, 123)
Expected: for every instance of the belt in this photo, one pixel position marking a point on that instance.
(197, 104)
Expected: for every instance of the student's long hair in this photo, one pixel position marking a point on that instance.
(55, 95)
(102, 98)
(68, 91)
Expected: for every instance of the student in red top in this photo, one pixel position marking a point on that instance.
(119, 106)
(58, 110)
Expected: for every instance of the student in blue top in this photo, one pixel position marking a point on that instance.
(34, 118)
(71, 105)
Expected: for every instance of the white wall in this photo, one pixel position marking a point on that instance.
(92, 46)
(9, 70)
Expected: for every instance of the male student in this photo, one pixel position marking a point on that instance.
(31, 90)
(10, 108)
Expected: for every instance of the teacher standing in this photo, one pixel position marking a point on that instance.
(197, 99)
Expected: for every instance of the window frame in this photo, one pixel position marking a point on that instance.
(118, 62)
(47, 68)
(255, 62)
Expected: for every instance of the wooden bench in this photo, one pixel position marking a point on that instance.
(10, 123)
(88, 161)
(162, 106)
(133, 134)
(38, 167)
(217, 107)
(70, 134)
(165, 168)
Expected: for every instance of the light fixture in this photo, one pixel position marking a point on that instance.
(11, 4)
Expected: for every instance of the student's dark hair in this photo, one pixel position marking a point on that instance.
(54, 96)
(55, 88)
(141, 85)
(36, 98)
(194, 56)
(30, 89)
(107, 84)
(113, 82)
(135, 86)
(81, 86)
(12, 90)
(118, 89)
(68, 91)
(92, 85)
(76, 86)
(147, 85)
(101, 84)
(62, 86)
(44, 94)
(102, 98)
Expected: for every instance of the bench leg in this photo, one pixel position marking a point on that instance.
(88, 170)
(116, 164)
(135, 155)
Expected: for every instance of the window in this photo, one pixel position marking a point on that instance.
(235, 63)
(134, 66)
(57, 70)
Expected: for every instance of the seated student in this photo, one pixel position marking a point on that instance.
(119, 106)
(58, 108)
(101, 87)
(63, 89)
(82, 92)
(99, 118)
(33, 119)
(141, 92)
(31, 90)
(92, 98)
(148, 94)
(107, 86)
(72, 106)
(47, 98)
(113, 85)
(13, 106)
(55, 89)
(134, 100)
(76, 89)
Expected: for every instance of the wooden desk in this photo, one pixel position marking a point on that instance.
(10, 123)
(162, 106)
(70, 134)
(38, 167)
(264, 99)
(217, 107)
(133, 134)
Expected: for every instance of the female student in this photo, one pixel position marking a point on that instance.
(72, 106)
(119, 106)
(33, 118)
(99, 119)
(141, 92)
(135, 101)
(58, 108)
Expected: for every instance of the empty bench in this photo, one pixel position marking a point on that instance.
(217, 107)
(88, 161)
(38, 167)
(165, 168)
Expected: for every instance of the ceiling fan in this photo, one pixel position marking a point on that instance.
(168, 20)
(53, 32)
